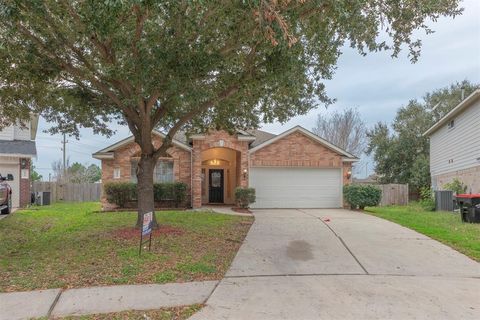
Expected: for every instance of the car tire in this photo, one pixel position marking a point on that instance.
(8, 209)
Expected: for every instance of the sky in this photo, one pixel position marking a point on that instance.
(376, 84)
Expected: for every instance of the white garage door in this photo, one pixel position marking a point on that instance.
(296, 187)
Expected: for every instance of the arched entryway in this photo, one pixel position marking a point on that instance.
(220, 175)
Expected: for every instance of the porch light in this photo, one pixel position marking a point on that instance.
(214, 162)
(245, 173)
(349, 174)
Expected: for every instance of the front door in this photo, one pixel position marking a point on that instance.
(215, 185)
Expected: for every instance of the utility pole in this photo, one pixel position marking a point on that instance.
(64, 149)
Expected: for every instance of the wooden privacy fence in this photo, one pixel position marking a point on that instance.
(393, 194)
(69, 192)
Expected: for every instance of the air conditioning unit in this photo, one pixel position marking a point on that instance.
(43, 198)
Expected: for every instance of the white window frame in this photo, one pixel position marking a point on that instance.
(116, 173)
(155, 176)
(25, 174)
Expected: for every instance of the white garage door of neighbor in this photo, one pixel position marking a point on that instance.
(15, 184)
(296, 187)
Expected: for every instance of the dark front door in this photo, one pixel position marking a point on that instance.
(215, 185)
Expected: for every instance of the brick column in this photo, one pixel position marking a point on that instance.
(197, 174)
(244, 165)
(24, 195)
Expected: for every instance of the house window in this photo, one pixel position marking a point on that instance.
(25, 174)
(163, 171)
(451, 124)
(116, 173)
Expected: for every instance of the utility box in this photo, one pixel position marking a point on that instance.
(444, 200)
(469, 205)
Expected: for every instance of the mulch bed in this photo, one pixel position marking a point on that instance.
(241, 210)
(135, 210)
(131, 233)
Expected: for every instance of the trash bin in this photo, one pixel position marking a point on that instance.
(469, 205)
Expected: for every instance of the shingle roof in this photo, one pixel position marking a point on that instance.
(18, 147)
(261, 137)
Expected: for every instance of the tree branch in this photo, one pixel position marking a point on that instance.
(167, 142)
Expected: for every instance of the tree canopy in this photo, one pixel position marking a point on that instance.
(401, 152)
(187, 63)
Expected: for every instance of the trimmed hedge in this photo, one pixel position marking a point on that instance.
(361, 196)
(121, 193)
(244, 197)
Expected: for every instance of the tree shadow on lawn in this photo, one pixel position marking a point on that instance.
(42, 249)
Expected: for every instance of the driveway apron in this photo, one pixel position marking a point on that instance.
(339, 264)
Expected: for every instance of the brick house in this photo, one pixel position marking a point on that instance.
(295, 169)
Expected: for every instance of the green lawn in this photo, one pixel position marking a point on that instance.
(71, 245)
(445, 227)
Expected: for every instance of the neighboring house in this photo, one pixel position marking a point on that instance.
(295, 169)
(455, 145)
(17, 148)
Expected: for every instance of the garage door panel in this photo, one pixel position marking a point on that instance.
(296, 187)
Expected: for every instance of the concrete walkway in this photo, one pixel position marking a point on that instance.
(84, 301)
(223, 210)
(338, 264)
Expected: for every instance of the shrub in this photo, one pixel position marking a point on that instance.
(120, 193)
(180, 193)
(456, 186)
(361, 196)
(244, 197)
(427, 199)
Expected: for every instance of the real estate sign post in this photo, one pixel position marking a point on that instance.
(146, 230)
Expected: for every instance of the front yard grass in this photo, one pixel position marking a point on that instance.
(73, 245)
(445, 227)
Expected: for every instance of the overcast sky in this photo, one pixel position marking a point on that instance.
(376, 84)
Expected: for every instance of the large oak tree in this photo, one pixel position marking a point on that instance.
(187, 64)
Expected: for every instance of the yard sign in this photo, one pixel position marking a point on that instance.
(146, 230)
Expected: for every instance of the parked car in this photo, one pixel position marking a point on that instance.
(5, 194)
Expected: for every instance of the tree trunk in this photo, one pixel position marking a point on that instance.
(146, 202)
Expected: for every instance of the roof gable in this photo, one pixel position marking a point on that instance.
(310, 135)
(108, 151)
(468, 101)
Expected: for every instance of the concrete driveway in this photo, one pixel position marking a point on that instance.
(338, 264)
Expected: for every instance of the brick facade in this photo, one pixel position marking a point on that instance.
(123, 160)
(293, 150)
(25, 193)
(217, 139)
(469, 177)
(298, 150)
